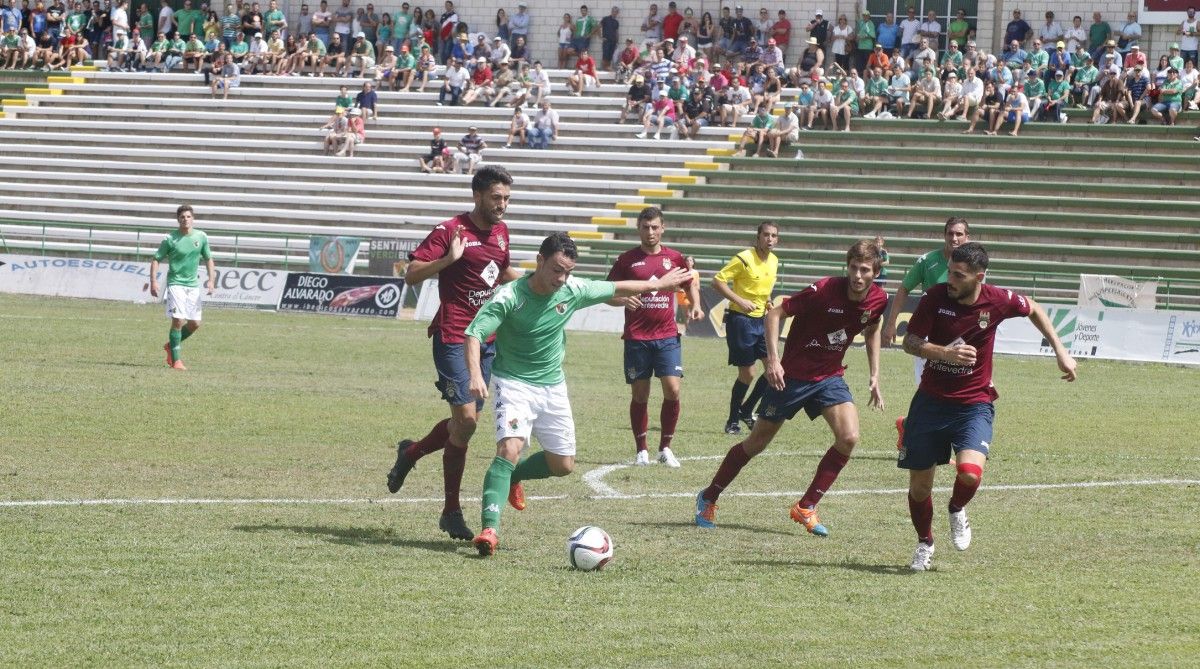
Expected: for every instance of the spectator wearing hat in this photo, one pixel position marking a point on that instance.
(610, 28)
(584, 74)
(544, 129)
(781, 31)
(818, 29)
(1170, 99)
(878, 59)
(1073, 36)
(258, 56)
(684, 53)
(772, 57)
(403, 70)
(1110, 53)
(1134, 58)
(1058, 97)
(952, 91)
(426, 65)
(810, 64)
(517, 127)
(500, 53)
(1110, 102)
(661, 114)
(865, 36)
(787, 129)
(456, 79)
(469, 152)
(1035, 90)
(362, 56)
(367, 100)
(1058, 61)
(1137, 92)
(637, 99)
(436, 159)
(339, 133)
(1173, 58)
(482, 83)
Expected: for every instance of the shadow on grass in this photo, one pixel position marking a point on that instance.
(680, 524)
(890, 569)
(123, 363)
(360, 536)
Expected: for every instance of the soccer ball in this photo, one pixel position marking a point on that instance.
(589, 548)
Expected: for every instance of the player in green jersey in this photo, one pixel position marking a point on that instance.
(529, 317)
(183, 249)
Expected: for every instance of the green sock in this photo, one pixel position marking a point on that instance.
(532, 467)
(175, 337)
(185, 333)
(495, 491)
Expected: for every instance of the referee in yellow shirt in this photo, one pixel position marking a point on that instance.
(752, 273)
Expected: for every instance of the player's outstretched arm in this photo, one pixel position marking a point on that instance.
(669, 281)
(475, 386)
(1066, 363)
(873, 335)
(771, 365)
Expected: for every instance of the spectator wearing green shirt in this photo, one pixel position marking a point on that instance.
(877, 93)
(1058, 96)
(529, 318)
(344, 99)
(406, 67)
(1170, 100)
(275, 20)
(1085, 77)
(881, 278)
(1098, 34)
(145, 23)
(314, 54)
(865, 35)
(239, 48)
(1174, 59)
(183, 250)
(845, 104)
(188, 21)
(952, 61)
(194, 53)
(585, 26)
(175, 50)
(1039, 58)
(758, 131)
(1035, 91)
(959, 30)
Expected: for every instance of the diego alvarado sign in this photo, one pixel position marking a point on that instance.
(341, 294)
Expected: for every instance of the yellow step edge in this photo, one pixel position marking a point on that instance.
(65, 80)
(721, 152)
(585, 234)
(734, 138)
(14, 103)
(691, 165)
(631, 206)
(686, 180)
(1, 114)
(658, 192)
(42, 91)
(778, 111)
(610, 220)
(84, 68)
(528, 264)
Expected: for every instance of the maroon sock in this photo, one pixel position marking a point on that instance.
(639, 421)
(734, 460)
(827, 472)
(963, 492)
(668, 416)
(922, 517)
(454, 460)
(433, 442)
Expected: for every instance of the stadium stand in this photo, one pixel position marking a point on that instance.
(98, 161)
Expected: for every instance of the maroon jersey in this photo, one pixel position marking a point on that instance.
(825, 323)
(656, 318)
(466, 284)
(947, 322)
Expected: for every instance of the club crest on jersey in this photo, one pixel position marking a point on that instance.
(866, 316)
(196, 243)
(984, 317)
(561, 308)
(502, 243)
(514, 424)
(666, 263)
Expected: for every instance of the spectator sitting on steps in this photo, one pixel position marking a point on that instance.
(439, 153)
(367, 100)
(469, 153)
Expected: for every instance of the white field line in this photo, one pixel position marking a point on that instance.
(234, 501)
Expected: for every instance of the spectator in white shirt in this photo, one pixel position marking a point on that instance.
(910, 34)
(501, 53)
(545, 127)
(1051, 30)
(456, 78)
(539, 83)
(931, 30)
(1073, 36)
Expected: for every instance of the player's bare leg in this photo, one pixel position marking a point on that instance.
(738, 457)
(843, 422)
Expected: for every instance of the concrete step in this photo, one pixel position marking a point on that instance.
(1048, 146)
(986, 155)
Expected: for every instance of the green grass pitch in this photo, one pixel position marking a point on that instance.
(298, 407)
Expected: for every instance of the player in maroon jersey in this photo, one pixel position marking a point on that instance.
(954, 329)
(470, 256)
(652, 342)
(827, 317)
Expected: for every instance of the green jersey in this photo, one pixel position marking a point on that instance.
(877, 87)
(364, 48)
(146, 26)
(953, 58)
(866, 35)
(1087, 75)
(400, 25)
(928, 271)
(405, 61)
(77, 21)
(959, 28)
(848, 96)
(275, 20)
(1034, 88)
(160, 46)
(11, 41)
(178, 45)
(184, 253)
(530, 328)
(190, 22)
(239, 48)
(1038, 59)
(1176, 62)
(1058, 89)
(196, 46)
(344, 102)
(1172, 91)
(584, 26)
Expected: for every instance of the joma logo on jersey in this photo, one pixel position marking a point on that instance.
(947, 312)
(835, 310)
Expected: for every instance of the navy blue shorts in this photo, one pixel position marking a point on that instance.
(812, 396)
(453, 377)
(746, 338)
(662, 357)
(934, 427)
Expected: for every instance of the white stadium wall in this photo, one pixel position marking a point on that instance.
(547, 14)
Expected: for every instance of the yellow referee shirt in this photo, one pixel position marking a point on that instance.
(753, 279)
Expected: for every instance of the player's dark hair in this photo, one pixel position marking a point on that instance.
(489, 176)
(956, 220)
(558, 242)
(973, 254)
(182, 208)
(865, 250)
(648, 214)
(767, 224)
